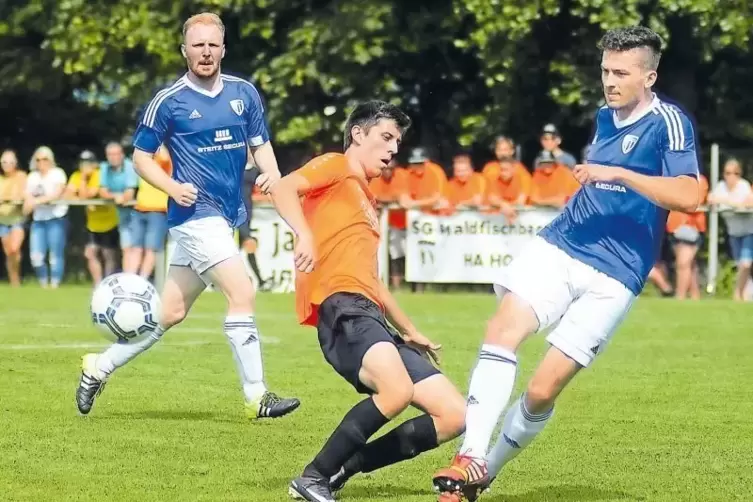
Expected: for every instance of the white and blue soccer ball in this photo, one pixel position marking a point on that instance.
(125, 308)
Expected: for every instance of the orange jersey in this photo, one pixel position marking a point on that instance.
(459, 192)
(426, 182)
(389, 191)
(697, 220)
(510, 190)
(559, 182)
(340, 210)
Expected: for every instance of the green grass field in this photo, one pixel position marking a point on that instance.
(664, 414)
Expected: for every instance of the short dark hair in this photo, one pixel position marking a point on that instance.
(366, 115)
(633, 37)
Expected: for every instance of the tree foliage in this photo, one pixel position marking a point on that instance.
(466, 70)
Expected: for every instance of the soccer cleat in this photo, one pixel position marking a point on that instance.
(271, 406)
(311, 488)
(337, 481)
(89, 387)
(466, 477)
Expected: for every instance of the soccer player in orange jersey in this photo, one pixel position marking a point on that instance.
(328, 205)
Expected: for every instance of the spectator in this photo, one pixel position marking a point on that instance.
(685, 231)
(552, 183)
(101, 220)
(12, 219)
(466, 189)
(45, 184)
(118, 183)
(550, 142)
(387, 189)
(511, 187)
(427, 184)
(149, 222)
(733, 192)
(504, 150)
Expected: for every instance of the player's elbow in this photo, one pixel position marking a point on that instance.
(689, 196)
(140, 160)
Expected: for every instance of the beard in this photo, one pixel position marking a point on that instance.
(205, 71)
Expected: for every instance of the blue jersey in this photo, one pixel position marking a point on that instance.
(610, 226)
(207, 135)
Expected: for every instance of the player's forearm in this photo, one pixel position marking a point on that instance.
(152, 172)
(264, 158)
(680, 193)
(427, 202)
(394, 313)
(288, 204)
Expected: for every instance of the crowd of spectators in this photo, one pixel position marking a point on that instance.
(126, 221)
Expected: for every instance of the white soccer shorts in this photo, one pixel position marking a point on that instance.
(203, 243)
(397, 243)
(581, 304)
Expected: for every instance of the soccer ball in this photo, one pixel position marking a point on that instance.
(125, 308)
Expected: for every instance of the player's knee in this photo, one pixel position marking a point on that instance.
(395, 396)
(90, 252)
(172, 314)
(451, 422)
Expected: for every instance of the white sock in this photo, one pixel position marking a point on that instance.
(244, 340)
(119, 354)
(520, 428)
(491, 385)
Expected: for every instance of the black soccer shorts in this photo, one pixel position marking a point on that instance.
(349, 324)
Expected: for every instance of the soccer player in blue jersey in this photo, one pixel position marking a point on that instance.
(583, 271)
(209, 123)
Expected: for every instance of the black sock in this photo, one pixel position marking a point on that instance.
(358, 425)
(404, 442)
(254, 266)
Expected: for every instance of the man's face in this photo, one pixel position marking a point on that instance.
(462, 168)
(625, 77)
(506, 171)
(8, 162)
(503, 149)
(114, 154)
(550, 142)
(377, 146)
(204, 50)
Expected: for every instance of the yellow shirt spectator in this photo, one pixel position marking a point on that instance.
(149, 198)
(99, 219)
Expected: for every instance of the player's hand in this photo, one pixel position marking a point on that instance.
(424, 345)
(304, 253)
(593, 173)
(185, 194)
(265, 181)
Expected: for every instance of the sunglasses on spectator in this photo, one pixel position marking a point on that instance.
(733, 173)
(40, 159)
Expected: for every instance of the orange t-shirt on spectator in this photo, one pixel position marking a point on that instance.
(461, 191)
(340, 210)
(553, 181)
(426, 181)
(697, 220)
(510, 190)
(385, 190)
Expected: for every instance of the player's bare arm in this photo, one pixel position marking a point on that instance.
(679, 193)
(405, 327)
(286, 198)
(425, 203)
(264, 157)
(146, 167)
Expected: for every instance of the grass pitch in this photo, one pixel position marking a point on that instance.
(663, 415)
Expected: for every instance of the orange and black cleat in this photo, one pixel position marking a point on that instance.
(466, 478)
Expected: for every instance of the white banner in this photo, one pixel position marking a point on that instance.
(467, 247)
(274, 252)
